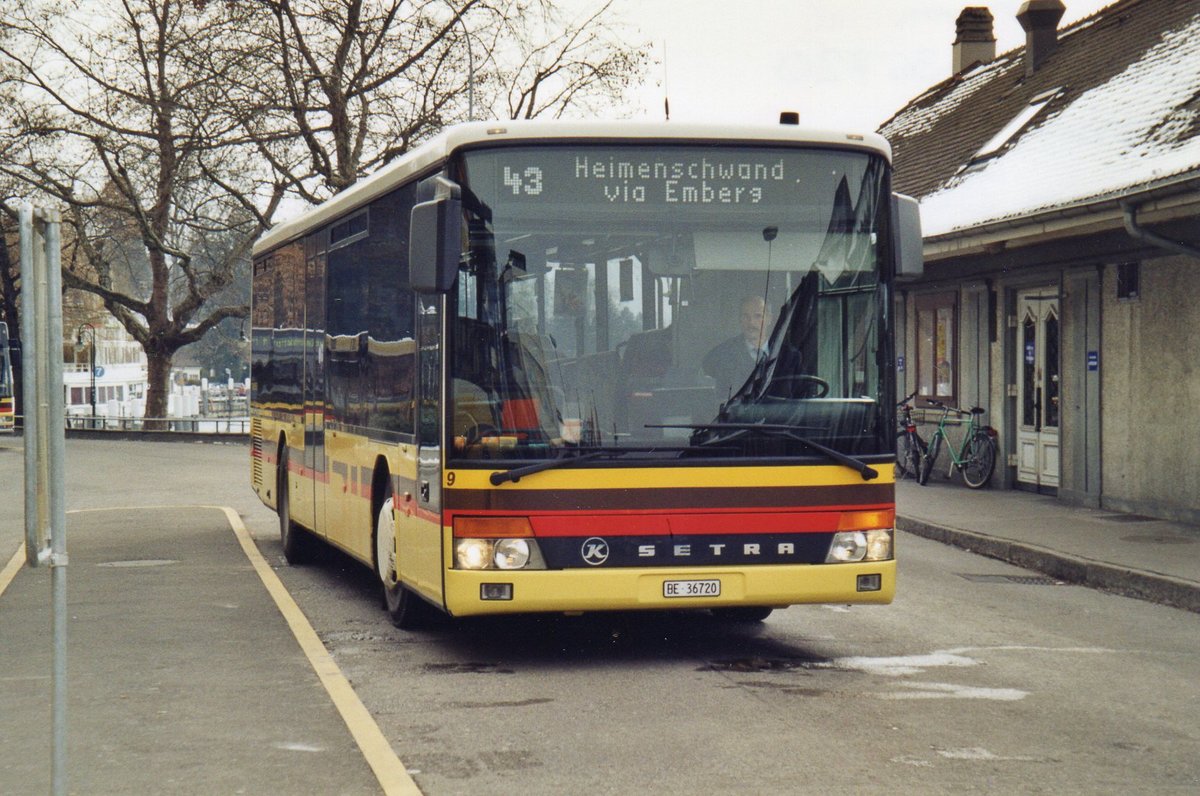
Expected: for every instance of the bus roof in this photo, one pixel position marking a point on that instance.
(438, 148)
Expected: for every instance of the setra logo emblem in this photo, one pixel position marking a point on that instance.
(594, 551)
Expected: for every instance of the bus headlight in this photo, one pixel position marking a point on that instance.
(849, 546)
(498, 554)
(879, 545)
(511, 553)
(473, 553)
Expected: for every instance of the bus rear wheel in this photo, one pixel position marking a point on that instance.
(406, 610)
(297, 547)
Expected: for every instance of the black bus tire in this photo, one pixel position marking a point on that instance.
(297, 547)
(406, 610)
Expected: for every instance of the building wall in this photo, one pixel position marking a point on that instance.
(1150, 391)
(1081, 474)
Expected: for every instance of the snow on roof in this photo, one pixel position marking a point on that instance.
(1138, 128)
(920, 119)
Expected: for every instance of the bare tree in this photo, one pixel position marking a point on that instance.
(122, 116)
(569, 66)
(170, 130)
(348, 85)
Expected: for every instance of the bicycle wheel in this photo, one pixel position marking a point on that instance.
(903, 444)
(980, 460)
(909, 450)
(927, 460)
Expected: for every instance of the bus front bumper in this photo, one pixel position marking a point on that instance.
(473, 593)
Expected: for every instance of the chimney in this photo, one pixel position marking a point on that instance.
(973, 40)
(1040, 19)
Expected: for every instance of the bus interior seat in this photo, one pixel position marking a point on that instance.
(648, 355)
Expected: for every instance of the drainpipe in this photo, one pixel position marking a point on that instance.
(1141, 233)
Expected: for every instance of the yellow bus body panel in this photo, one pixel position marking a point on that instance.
(642, 589)
(671, 477)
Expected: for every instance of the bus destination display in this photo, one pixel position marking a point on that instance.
(656, 177)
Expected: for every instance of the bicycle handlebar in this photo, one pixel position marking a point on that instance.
(975, 410)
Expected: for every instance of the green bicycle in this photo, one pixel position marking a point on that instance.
(976, 457)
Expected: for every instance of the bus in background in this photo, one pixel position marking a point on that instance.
(7, 399)
(566, 367)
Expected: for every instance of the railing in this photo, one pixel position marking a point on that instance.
(177, 425)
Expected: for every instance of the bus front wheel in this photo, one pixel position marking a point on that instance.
(406, 609)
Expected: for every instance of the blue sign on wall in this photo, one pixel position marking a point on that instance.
(1093, 360)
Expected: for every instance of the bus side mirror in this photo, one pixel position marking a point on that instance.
(906, 226)
(435, 240)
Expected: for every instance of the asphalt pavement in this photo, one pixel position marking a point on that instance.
(192, 671)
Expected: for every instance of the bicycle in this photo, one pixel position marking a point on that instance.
(910, 448)
(976, 457)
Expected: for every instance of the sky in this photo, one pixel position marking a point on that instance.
(839, 63)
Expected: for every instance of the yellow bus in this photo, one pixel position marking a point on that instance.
(7, 407)
(571, 367)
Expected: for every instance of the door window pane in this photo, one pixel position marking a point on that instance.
(936, 363)
(1029, 371)
(1051, 369)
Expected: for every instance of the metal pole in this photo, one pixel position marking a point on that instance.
(45, 445)
(470, 64)
(470, 73)
(91, 363)
(92, 367)
(33, 286)
(58, 513)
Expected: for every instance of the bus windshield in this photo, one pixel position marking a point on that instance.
(663, 300)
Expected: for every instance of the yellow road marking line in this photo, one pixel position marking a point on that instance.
(393, 777)
(10, 569)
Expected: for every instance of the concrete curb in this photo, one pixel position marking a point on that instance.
(1152, 587)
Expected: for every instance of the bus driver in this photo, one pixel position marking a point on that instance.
(730, 362)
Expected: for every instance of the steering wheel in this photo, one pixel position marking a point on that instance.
(802, 383)
(478, 431)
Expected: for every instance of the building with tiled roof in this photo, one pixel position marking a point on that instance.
(1060, 201)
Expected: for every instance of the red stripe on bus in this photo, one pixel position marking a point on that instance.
(668, 523)
(307, 472)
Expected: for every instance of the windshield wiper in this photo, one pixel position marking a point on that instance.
(573, 455)
(517, 473)
(788, 432)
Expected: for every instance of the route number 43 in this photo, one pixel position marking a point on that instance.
(528, 182)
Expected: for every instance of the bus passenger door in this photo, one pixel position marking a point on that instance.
(419, 535)
(314, 376)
